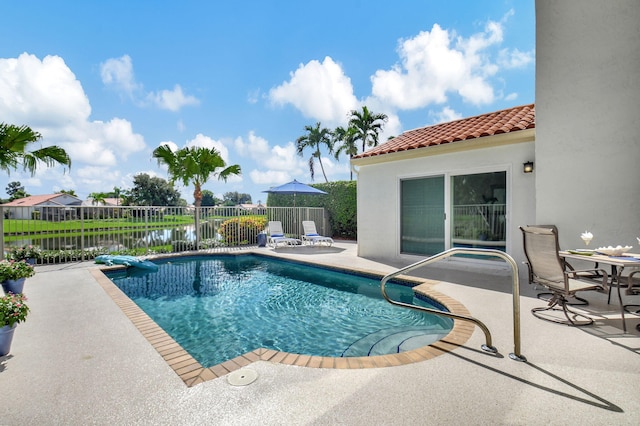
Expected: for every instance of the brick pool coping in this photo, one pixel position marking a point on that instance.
(192, 372)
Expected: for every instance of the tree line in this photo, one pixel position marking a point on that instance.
(190, 165)
(146, 191)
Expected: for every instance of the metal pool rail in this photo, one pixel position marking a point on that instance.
(488, 347)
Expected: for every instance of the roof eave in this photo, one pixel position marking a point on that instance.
(520, 136)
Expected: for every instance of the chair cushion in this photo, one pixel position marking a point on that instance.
(277, 235)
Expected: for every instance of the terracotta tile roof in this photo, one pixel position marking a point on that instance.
(505, 121)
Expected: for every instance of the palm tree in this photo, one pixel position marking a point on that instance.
(194, 165)
(314, 139)
(344, 139)
(14, 144)
(367, 125)
(98, 198)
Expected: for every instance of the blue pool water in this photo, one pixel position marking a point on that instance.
(220, 307)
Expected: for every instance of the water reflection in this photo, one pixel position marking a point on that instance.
(116, 241)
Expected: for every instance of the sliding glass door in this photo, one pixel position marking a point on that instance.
(477, 211)
(422, 215)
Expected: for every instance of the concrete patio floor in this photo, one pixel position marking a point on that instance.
(79, 360)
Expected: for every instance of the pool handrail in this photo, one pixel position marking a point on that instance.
(488, 347)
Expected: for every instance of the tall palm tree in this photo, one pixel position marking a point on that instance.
(314, 139)
(194, 165)
(14, 144)
(368, 125)
(344, 139)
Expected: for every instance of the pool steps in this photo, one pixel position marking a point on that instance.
(396, 340)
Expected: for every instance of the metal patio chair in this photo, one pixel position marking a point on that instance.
(549, 270)
(575, 301)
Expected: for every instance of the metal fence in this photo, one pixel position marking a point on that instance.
(61, 234)
(482, 222)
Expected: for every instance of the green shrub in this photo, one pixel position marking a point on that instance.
(243, 230)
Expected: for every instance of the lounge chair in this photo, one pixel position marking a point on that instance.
(549, 270)
(277, 237)
(311, 236)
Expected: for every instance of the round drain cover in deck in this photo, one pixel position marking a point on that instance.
(242, 377)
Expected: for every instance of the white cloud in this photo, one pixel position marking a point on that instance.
(255, 147)
(283, 164)
(172, 100)
(40, 93)
(118, 73)
(445, 115)
(435, 63)
(100, 179)
(270, 177)
(511, 97)
(172, 145)
(253, 96)
(46, 95)
(514, 58)
(321, 91)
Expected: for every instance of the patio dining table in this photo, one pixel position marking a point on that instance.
(617, 264)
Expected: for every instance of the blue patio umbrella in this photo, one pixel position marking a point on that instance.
(294, 187)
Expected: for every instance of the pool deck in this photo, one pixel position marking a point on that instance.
(80, 360)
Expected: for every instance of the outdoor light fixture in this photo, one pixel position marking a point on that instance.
(527, 167)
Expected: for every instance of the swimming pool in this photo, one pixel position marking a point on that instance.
(219, 307)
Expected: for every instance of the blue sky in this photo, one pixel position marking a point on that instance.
(110, 81)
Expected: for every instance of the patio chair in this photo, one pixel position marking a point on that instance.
(311, 236)
(633, 289)
(575, 301)
(549, 270)
(276, 236)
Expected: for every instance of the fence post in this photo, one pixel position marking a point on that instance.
(82, 257)
(146, 227)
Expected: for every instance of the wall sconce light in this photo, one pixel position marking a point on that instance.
(527, 167)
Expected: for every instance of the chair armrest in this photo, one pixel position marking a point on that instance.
(601, 273)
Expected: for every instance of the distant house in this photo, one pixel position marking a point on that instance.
(94, 210)
(45, 207)
(253, 208)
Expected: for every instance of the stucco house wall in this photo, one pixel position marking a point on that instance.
(379, 188)
(587, 115)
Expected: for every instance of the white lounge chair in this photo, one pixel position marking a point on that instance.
(311, 236)
(277, 237)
